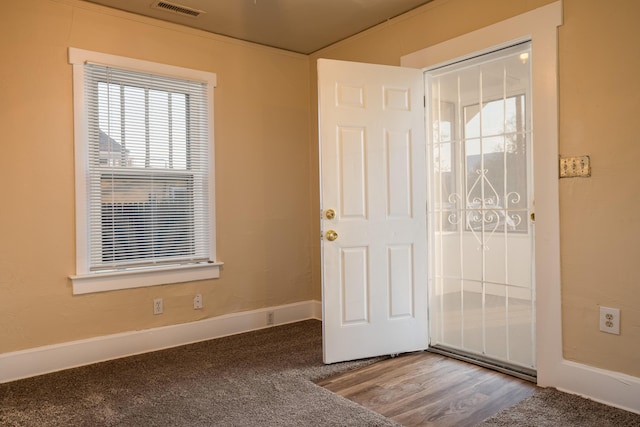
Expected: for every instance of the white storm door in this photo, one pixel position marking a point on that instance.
(372, 155)
(482, 288)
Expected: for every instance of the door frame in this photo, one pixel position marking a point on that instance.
(539, 26)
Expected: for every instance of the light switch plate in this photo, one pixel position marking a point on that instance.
(571, 167)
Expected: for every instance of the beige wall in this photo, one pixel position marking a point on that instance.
(600, 235)
(267, 185)
(261, 131)
(599, 65)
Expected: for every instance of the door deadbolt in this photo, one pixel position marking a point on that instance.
(330, 214)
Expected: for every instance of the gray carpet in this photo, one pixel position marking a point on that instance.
(262, 378)
(548, 407)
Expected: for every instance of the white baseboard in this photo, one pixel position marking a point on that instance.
(42, 360)
(608, 387)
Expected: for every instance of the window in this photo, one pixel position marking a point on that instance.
(144, 173)
(480, 144)
(496, 164)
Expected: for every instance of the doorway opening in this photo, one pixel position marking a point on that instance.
(480, 210)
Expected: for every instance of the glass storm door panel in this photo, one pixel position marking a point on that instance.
(481, 287)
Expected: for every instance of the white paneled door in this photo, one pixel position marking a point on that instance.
(374, 234)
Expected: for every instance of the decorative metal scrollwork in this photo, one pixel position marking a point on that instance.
(488, 212)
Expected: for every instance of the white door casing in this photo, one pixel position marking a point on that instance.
(372, 155)
(541, 27)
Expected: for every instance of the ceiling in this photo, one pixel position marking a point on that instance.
(302, 26)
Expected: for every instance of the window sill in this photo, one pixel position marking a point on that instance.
(112, 281)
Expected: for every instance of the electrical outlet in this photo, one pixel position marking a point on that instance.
(270, 319)
(157, 306)
(197, 302)
(610, 320)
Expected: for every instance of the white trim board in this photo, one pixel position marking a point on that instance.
(608, 387)
(42, 360)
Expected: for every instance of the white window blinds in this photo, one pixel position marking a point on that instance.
(148, 166)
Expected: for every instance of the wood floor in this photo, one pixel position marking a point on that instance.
(426, 389)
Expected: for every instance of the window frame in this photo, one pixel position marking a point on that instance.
(86, 281)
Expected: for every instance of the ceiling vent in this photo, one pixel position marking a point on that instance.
(177, 8)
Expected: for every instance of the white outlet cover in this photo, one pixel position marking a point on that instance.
(158, 306)
(610, 320)
(197, 302)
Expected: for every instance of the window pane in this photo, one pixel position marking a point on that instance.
(159, 137)
(143, 128)
(146, 217)
(443, 161)
(493, 118)
(135, 128)
(109, 123)
(179, 130)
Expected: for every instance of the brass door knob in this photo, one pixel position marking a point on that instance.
(332, 235)
(330, 214)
